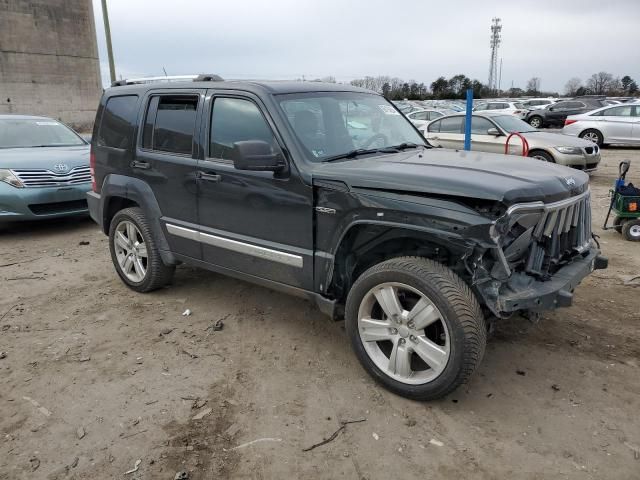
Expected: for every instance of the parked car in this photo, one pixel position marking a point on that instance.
(410, 243)
(489, 133)
(555, 114)
(537, 103)
(44, 169)
(513, 108)
(421, 118)
(607, 125)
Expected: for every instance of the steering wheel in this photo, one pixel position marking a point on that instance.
(374, 138)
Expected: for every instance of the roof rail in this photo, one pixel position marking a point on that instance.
(205, 77)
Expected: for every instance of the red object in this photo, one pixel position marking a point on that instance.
(525, 144)
(92, 170)
(569, 122)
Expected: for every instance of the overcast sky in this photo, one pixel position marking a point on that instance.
(412, 39)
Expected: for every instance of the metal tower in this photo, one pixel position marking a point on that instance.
(496, 28)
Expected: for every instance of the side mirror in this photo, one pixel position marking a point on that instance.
(494, 131)
(256, 155)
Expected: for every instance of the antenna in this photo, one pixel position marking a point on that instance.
(496, 28)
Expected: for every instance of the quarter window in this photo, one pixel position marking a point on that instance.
(236, 120)
(117, 120)
(170, 123)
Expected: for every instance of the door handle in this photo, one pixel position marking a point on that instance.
(209, 177)
(140, 164)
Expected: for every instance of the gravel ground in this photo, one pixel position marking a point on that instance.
(96, 378)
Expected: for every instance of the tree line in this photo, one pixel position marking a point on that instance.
(394, 88)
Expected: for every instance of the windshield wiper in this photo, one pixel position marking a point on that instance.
(353, 154)
(404, 146)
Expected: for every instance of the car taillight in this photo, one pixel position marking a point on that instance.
(92, 170)
(569, 122)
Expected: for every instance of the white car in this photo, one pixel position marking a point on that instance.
(421, 118)
(537, 103)
(503, 106)
(607, 125)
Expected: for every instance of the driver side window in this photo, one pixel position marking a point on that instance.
(235, 120)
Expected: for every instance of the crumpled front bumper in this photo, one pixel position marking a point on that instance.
(524, 292)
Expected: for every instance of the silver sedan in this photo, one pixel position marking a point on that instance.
(489, 133)
(607, 125)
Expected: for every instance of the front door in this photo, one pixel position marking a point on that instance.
(166, 159)
(617, 123)
(251, 222)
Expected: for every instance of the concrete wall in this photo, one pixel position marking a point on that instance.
(49, 60)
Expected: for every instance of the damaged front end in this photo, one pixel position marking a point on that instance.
(542, 253)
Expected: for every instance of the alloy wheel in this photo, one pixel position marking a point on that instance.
(403, 333)
(131, 251)
(591, 136)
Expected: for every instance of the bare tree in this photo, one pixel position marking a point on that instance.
(572, 86)
(600, 83)
(533, 85)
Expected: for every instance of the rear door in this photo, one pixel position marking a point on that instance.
(617, 123)
(446, 132)
(166, 158)
(635, 131)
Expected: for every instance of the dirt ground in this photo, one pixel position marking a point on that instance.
(97, 378)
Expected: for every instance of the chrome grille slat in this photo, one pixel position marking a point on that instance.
(34, 178)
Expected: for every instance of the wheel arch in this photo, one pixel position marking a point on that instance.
(119, 192)
(364, 244)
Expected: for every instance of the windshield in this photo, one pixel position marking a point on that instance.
(330, 124)
(511, 124)
(40, 132)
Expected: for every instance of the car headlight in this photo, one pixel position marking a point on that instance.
(7, 176)
(570, 150)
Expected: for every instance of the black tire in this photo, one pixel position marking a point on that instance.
(593, 132)
(458, 306)
(541, 155)
(618, 223)
(157, 273)
(631, 230)
(536, 121)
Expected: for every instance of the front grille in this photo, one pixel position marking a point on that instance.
(58, 207)
(563, 230)
(47, 178)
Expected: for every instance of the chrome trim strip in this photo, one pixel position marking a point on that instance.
(534, 206)
(236, 246)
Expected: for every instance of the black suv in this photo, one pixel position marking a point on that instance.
(555, 114)
(328, 192)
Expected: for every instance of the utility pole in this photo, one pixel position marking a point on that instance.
(500, 77)
(107, 32)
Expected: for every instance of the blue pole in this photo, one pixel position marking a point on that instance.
(467, 120)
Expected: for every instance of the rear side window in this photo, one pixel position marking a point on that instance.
(451, 125)
(236, 120)
(618, 111)
(170, 123)
(118, 119)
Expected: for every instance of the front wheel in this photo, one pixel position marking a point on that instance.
(416, 327)
(540, 155)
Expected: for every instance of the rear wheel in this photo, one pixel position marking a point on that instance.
(540, 155)
(536, 121)
(134, 252)
(416, 327)
(631, 230)
(593, 136)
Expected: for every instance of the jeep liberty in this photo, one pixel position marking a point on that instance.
(328, 192)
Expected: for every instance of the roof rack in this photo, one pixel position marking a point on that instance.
(203, 77)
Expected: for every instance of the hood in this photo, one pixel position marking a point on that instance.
(504, 178)
(550, 139)
(44, 157)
